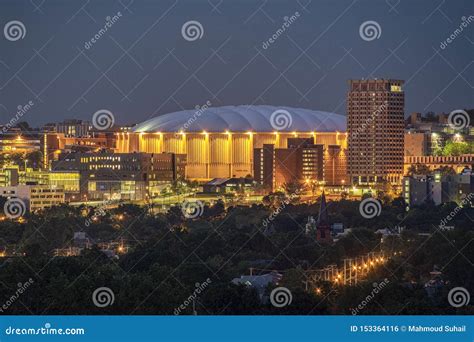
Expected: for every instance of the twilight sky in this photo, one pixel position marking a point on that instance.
(143, 67)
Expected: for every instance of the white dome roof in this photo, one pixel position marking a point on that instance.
(245, 118)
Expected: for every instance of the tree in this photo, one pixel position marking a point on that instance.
(446, 171)
(456, 148)
(33, 159)
(179, 187)
(385, 191)
(23, 126)
(418, 169)
(16, 159)
(293, 188)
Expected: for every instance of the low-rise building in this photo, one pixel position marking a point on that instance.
(437, 188)
(259, 282)
(54, 144)
(228, 185)
(458, 163)
(302, 161)
(35, 197)
(18, 143)
(9, 176)
(126, 176)
(67, 180)
(74, 128)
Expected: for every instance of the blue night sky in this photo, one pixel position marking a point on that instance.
(143, 67)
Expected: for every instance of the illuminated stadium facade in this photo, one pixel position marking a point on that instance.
(220, 141)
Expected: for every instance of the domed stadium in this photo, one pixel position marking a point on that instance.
(220, 141)
(245, 119)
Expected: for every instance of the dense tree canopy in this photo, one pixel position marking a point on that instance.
(170, 254)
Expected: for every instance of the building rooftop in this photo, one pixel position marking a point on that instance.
(243, 119)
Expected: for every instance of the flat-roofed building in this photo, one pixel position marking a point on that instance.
(437, 188)
(14, 143)
(302, 161)
(458, 163)
(416, 143)
(128, 176)
(35, 197)
(74, 128)
(54, 144)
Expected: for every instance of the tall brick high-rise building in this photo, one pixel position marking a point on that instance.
(375, 125)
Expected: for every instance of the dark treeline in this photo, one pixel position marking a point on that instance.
(170, 255)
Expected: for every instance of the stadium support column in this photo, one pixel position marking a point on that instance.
(251, 152)
(183, 144)
(207, 153)
(277, 140)
(161, 143)
(229, 151)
